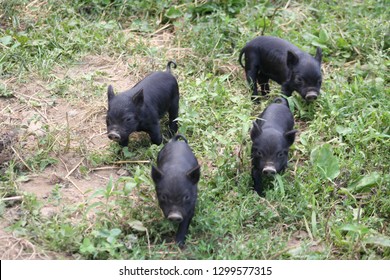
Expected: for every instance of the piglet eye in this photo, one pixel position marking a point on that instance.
(186, 198)
(280, 154)
(163, 197)
(259, 154)
(298, 80)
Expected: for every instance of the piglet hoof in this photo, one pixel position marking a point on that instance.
(260, 191)
(180, 243)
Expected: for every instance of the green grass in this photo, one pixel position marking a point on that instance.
(333, 202)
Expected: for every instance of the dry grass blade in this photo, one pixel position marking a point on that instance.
(13, 198)
(21, 159)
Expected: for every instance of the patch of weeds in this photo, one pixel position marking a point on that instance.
(99, 158)
(43, 156)
(56, 195)
(9, 179)
(118, 221)
(60, 87)
(4, 92)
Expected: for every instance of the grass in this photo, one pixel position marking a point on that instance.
(333, 202)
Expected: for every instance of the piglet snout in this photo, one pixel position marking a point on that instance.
(311, 96)
(113, 135)
(175, 217)
(269, 170)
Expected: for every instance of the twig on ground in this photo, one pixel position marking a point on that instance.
(74, 184)
(131, 161)
(287, 4)
(161, 29)
(19, 197)
(41, 114)
(74, 168)
(105, 168)
(21, 159)
(66, 167)
(67, 145)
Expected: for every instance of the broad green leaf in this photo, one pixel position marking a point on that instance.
(109, 188)
(129, 186)
(127, 153)
(6, 40)
(303, 138)
(87, 246)
(309, 36)
(343, 130)
(137, 225)
(323, 36)
(245, 129)
(318, 44)
(262, 22)
(296, 251)
(173, 13)
(23, 179)
(102, 233)
(365, 183)
(342, 43)
(22, 39)
(323, 158)
(113, 234)
(378, 240)
(115, 231)
(357, 228)
(92, 206)
(99, 192)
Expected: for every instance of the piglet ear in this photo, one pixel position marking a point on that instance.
(138, 98)
(290, 136)
(157, 174)
(292, 59)
(318, 56)
(110, 93)
(194, 174)
(255, 131)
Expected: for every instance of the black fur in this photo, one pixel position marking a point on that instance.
(176, 176)
(272, 134)
(141, 107)
(273, 58)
